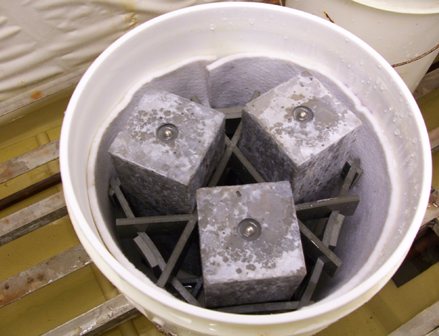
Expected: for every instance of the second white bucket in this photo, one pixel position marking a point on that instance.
(375, 242)
(406, 33)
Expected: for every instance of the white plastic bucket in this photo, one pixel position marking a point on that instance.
(405, 32)
(223, 29)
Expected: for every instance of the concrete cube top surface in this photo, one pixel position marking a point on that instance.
(193, 129)
(301, 140)
(227, 256)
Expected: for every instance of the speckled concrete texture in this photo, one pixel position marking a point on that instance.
(309, 153)
(163, 175)
(237, 270)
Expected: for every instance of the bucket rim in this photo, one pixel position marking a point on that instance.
(403, 6)
(111, 266)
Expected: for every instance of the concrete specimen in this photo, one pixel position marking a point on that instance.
(250, 243)
(166, 151)
(301, 132)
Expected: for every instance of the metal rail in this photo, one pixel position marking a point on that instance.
(102, 318)
(99, 319)
(31, 218)
(28, 161)
(41, 275)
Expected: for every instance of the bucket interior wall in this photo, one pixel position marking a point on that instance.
(397, 170)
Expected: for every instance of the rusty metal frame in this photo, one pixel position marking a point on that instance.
(41, 275)
(99, 319)
(104, 317)
(31, 218)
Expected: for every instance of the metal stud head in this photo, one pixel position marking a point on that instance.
(303, 113)
(249, 229)
(167, 132)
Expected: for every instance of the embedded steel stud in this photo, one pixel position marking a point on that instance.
(303, 113)
(249, 229)
(167, 132)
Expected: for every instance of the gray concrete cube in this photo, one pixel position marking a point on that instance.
(250, 243)
(166, 151)
(299, 131)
